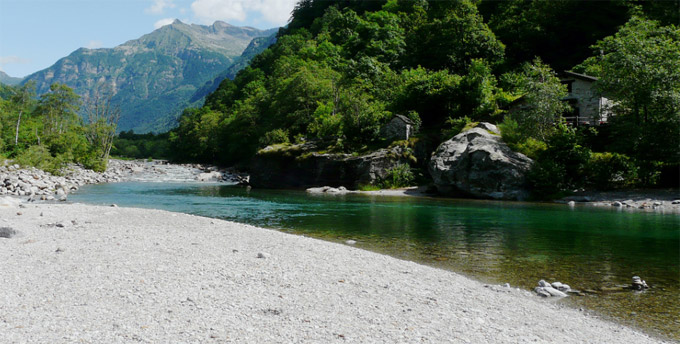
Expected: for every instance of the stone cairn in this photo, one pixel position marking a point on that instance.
(639, 284)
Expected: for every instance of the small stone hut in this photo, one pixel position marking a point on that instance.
(589, 107)
(399, 128)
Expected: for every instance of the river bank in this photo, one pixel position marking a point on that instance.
(40, 185)
(76, 272)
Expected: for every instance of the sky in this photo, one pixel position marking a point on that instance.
(34, 34)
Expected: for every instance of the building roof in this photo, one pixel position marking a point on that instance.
(580, 76)
(404, 119)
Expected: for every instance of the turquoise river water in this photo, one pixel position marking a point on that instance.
(591, 249)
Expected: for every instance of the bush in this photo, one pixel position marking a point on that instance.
(561, 167)
(457, 125)
(513, 137)
(40, 157)
(610, 170)
(275, 136)
(397, 177)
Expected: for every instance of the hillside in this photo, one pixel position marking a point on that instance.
(8, 80)
(153, 77)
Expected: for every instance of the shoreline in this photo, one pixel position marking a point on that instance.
(664, 201)
(180, 277)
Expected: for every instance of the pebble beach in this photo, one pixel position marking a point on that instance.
(93, 274)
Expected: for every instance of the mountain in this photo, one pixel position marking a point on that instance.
(256, 46)
(152, 78)
(9, 80)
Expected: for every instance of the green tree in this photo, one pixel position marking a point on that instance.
(639, 69)
(59, 110)
(23, 100)
(540, 105)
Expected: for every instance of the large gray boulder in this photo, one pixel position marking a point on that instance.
(478, 163)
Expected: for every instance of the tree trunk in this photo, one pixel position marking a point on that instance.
(16, 135)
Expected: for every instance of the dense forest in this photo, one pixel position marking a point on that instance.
(341, 69)
(47, 131)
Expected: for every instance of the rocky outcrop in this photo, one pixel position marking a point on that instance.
(300, 166)
(478, 163)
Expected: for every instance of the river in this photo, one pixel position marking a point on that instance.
(591, 249)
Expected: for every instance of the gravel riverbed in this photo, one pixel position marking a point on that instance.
(80, 273)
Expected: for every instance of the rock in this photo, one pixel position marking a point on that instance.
(571, 203)
(210, 176)
(506, 285)
(617, 204)
(262, 255)
(350, 242)
(554, 292)
(478, 163)
(639, 284)
(301, 166)
(543, 284)
(677, 201)
(6, 232)
(541, 292)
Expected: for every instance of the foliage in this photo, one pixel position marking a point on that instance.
(541, 104)
(339, 72)
(40, 157)
(139, 146)
(48, 132)
(513, 137)
(457, 126)
(275, 136)
(561, 167)
(397, 177)
(559, 32)
(611, 170)
(639, 69)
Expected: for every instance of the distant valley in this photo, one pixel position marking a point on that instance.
(155, 77)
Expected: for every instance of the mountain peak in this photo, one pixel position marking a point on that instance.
(177, 22)
(219, 23)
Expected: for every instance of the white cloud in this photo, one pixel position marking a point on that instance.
(159, 6)
(94, 44)
(4, 60)
(276, 12)
(163, 22)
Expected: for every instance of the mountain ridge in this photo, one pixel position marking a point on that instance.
(154, 76)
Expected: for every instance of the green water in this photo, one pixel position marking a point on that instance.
(496, 242)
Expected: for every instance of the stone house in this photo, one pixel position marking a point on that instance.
(588, 106)
(399, 128)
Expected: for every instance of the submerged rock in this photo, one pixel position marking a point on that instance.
(478, 163)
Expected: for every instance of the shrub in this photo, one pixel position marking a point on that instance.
(275, 136)
(610, 170)
(397, 177)
(513, 137)
(457, 125)
(40, 157)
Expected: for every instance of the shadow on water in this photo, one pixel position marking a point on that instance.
(497, 242)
